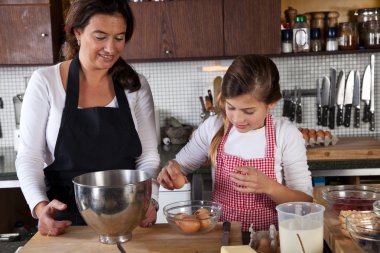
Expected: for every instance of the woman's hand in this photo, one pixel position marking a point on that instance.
(169, 174)
(250, 180)
(150, 217)
(45, 212)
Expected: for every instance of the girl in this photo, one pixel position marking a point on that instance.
(257, 161)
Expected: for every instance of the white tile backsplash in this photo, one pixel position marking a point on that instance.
(176, 87)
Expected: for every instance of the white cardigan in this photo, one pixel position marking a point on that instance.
(41, 114)
(290, 153)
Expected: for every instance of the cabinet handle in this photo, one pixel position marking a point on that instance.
(167, 51)
(44, 34)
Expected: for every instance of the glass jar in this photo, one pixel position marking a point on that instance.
(348, 36)
(364, 15)
(332, 39)
(301, 35)
(315, 40)
(287, 41)
(372, 34)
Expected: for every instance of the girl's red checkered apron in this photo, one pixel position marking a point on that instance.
(247, 208)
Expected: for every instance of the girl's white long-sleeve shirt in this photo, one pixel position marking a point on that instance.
(41, 113)
(291, 166)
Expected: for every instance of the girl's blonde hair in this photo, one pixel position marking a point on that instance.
(249, 74)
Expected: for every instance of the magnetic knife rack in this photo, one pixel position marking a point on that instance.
(304, 92)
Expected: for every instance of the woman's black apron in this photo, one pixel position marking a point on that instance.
(89, 139)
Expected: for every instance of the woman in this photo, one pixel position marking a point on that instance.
(90, 112)
(258, 161)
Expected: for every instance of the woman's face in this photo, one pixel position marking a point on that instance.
(246, 113)
(102, 41)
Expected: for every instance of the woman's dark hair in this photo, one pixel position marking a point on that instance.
(248, 74)
(78, 17)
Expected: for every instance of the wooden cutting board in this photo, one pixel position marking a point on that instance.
(347, 148)
(159, 238)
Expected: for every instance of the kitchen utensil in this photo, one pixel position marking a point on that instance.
(372, 106)
(210, 96)
(366, 92)
(226, 233)
(287, 101)
(319, 103)
(113, 202)
(348, 94)
(203, 113)
(300, 227)
(356, 99)
(121, 249)
(340, 97)
(332, 102)
(299, 106)
(193, 217)
(364, 229)
(325, 99)
(17, 103)
(350, 197)
(217, 86)
(292, 107)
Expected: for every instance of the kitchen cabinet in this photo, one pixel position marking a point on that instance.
(31, 31)
(176, 30)
(252, 26)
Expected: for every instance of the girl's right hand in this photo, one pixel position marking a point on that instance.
(46, 224)
(169, 174)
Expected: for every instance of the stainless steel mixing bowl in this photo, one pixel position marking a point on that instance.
(113, 202)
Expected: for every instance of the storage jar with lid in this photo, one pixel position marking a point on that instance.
(372, 34)
(364, 15)
(332, 39)
(287, 40)
(348, 36)
(301, 35)
(315, 40)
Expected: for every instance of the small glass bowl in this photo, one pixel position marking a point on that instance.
(193, 217)
(350, 197)
(376, 207)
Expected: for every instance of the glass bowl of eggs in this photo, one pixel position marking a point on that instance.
(194, 216)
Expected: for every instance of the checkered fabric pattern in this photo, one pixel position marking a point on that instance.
(249, 208)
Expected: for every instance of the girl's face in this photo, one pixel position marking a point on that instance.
(246, 113)
(102, 41)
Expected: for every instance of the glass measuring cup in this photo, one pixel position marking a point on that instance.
(300, 227)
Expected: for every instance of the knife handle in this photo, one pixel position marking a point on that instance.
(325, 112)
(339, 117)
(319, 115)
(347, 115)
(292, 111)
(366, 112)
(332, 117)
(372, 121)
(299, 114)
(357, 117)
(226, 226)
(285, 109)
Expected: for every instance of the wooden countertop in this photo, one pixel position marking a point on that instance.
(337, 242)
(347, 148)
(159, 238)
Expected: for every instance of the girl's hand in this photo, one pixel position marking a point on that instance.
(169, 174)
(250, 180)
(46, 224)
(150, 217)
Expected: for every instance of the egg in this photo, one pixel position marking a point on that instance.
(203, 215)
(188, 224)
(264, 246)
(179, 181)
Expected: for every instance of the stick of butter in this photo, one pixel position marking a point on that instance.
(237, 249)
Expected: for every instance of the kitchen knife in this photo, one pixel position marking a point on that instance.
(372, 106)
(299, 107)
(332, 98)
(325, 99)
(356, 99)
(292, 107)
(319, 105)
(226, 233)
(366, 92)
(210, 96)
(285, 110)
(348, 94)
(340, 97)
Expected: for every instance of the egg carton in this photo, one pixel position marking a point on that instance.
(319, 137)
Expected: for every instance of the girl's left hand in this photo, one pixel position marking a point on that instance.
(250, 180)
(150, 217)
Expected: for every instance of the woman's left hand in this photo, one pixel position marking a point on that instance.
(250, 180)
(150, 217)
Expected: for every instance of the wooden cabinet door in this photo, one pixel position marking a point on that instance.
(176, 29)
(252, 26)
(26, 34)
